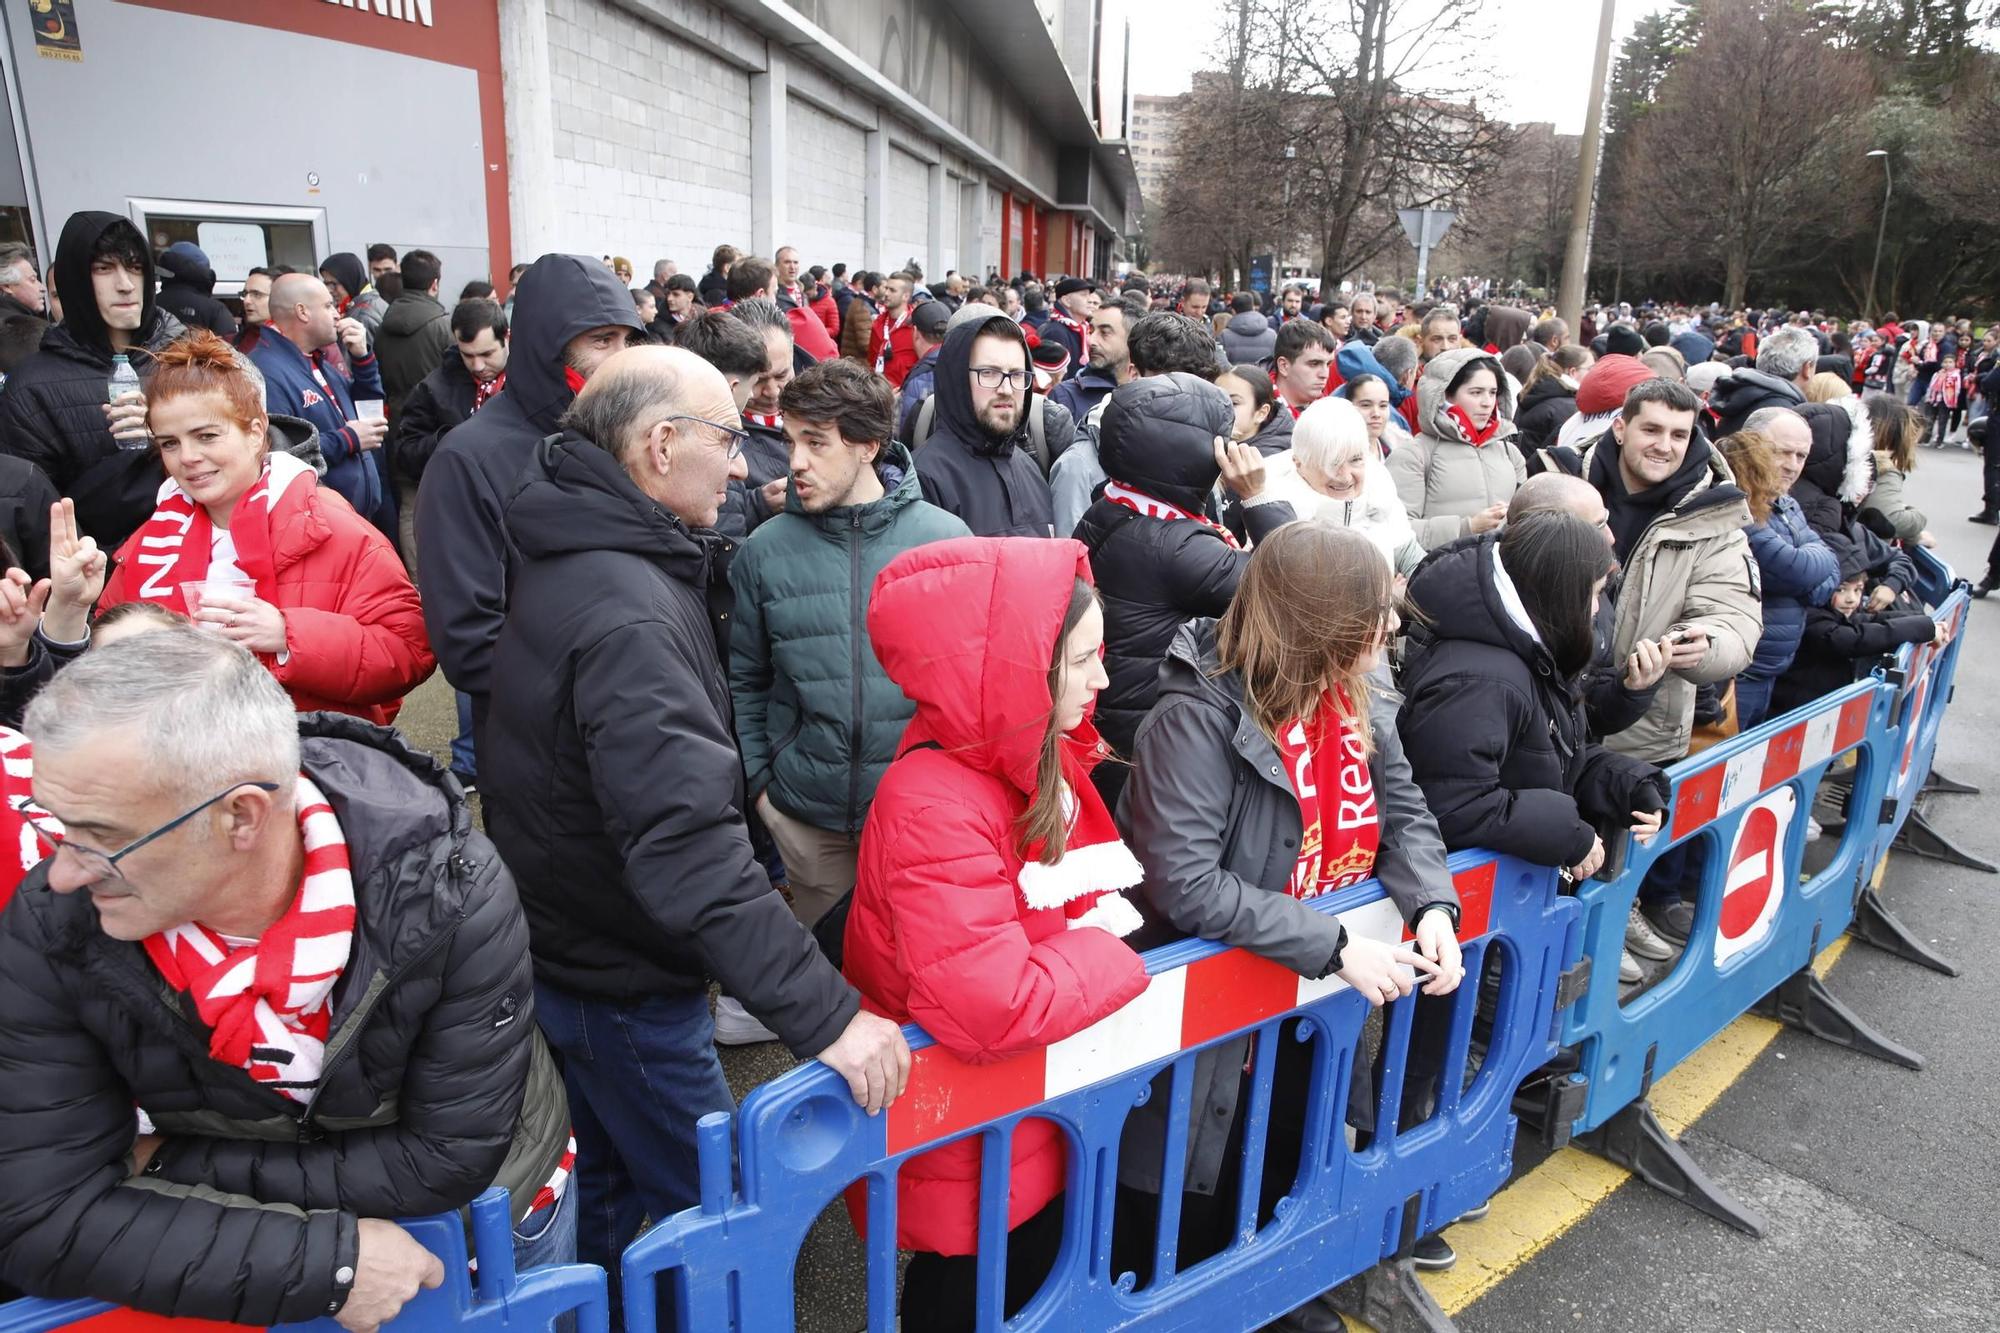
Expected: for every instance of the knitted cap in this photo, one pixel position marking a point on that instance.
(1604, 385)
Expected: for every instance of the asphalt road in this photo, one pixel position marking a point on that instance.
(1879, 1184)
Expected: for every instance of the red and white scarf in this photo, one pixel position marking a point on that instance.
(1076, 326)
(1476, 436)
(1153, 507)
(482, 390)
(891, 323)
(768, 420)
(20, 817)
(269, 1002)
(173, 545)
(1341, 824)
(1096, 864)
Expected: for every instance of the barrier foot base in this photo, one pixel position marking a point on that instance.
(1803, 1001)
(1918, 836)
(1938, 782)
(1636, 1140)
(1874, 924)
(1390, 1299)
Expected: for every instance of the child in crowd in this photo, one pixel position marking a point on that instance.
(1842, 640)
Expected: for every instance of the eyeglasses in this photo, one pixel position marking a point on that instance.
(737, 438)
(992, 377)
(104, 865)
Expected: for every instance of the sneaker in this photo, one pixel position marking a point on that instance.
(1642, 940)
(1629, 971)
(735, 1027)
(1476, 1214)
(1814, 829)
(1433, 1254)
(1672, 920)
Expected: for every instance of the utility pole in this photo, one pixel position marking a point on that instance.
(1576, 262)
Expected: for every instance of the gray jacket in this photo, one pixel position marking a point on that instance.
(1215, 823)
(1248, 337)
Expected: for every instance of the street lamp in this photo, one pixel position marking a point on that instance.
(1881, 228)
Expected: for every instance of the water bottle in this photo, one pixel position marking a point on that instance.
(124, 380)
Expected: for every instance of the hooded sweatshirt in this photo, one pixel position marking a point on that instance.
(992, 484)
(52, 414)
(187, 288)
(364, 302)
(464, 556)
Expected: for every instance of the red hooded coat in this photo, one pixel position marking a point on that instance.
(940, 933)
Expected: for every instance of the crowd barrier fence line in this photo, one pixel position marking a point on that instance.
(799, 1142)
(498, 1300)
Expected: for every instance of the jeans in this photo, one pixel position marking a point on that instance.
(1753, 700)
(638, 1076)
(550, 1235)
(464, 762)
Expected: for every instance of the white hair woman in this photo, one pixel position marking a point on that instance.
(1334, 471)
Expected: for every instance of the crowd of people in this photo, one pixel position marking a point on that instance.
(879, 651)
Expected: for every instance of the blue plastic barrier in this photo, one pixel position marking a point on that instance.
(502, 1301)
(801, 1141)
(1742, 808)
(1923, 678)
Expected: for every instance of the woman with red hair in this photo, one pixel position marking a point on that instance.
(245, 541)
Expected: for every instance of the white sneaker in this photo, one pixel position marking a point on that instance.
(1641, 939)
(1814, 829)
(735, 1027)
(1629, 971)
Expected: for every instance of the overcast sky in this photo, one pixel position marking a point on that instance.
(1540, 54)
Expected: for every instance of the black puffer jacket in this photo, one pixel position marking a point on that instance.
(1156, 574)
(611, 768)
(1545, 405)
(1740, 392)
(465, 560)
(995, 486)
(1494, 733)
(437, 1083)
(53, 411)
(442, 400)
(1840, 469)
(25, 499)
(767, 454)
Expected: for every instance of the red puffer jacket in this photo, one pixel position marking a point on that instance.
(354, 629)
(939, 933)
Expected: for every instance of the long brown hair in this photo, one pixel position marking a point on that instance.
(1314, 598)
(1897, 430)
(1756, 471)
(1045, 821)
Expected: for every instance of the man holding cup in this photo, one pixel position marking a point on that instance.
(301, 380)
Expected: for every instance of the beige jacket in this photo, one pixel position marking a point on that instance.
(1443, 480)
(1693, 566)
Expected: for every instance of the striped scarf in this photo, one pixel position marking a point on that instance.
(25, 826)
(269, 1003)
(173, 545)
(1153, 507)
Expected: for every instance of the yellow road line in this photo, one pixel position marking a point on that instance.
(1546, 1202)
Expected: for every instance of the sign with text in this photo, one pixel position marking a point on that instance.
(54, 22)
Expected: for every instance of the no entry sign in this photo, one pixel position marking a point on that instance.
(1754, 886)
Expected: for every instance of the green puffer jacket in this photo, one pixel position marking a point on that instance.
(817, 718)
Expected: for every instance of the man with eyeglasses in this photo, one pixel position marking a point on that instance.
(270, 991)
(615, 793)
(570, 315)
(976, 462)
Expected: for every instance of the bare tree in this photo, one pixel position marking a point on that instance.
(1745, 158)
(1380, 113)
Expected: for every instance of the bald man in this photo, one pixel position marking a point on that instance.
(615, 793)
(1615, 695)
(302, 378)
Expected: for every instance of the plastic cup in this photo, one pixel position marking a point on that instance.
(369, 409)
(215, 592)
